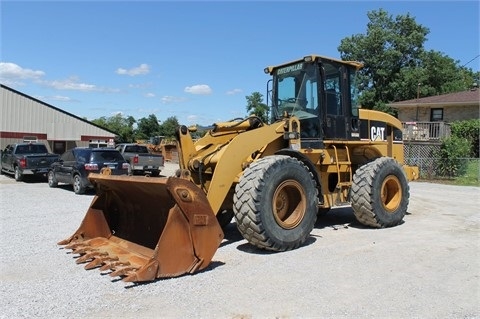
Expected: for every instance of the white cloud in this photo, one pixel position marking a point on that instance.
(57, 98)
(167, 99)
(139, 70)
(73, 84)
(11, 74)
(234, 91)
(150, 95)
(139, 86)
(201, 89)
(60, 98)
(192, 119)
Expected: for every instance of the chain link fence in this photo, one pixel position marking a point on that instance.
(431, 167)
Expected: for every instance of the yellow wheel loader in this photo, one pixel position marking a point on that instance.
(318, 151)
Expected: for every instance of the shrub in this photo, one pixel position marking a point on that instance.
(470, 130)
(452, 156)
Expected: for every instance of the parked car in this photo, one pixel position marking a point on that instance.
(141, 160)
(26, 159)
(76, 164)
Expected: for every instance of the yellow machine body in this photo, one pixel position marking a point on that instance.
(271, 177)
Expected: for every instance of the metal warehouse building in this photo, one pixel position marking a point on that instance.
(24, 118)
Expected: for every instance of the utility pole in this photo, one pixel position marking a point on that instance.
(418, 97)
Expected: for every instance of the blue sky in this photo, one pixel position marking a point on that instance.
(194, 60)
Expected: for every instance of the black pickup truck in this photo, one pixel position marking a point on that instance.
(21, 159)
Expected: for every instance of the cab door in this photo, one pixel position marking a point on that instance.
(336, 114)
(335, 127)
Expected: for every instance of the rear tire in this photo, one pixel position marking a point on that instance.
(78, 187)
(275, 203)
(380, 193)
(18, 174)
(52, 182)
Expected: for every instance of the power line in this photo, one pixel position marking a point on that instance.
(470, 60)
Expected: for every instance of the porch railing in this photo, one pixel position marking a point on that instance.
(425, 131)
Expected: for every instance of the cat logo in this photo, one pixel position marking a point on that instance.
(377, 133)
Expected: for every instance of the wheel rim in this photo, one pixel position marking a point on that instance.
(50, 178)
(289, 204)
(391, 193)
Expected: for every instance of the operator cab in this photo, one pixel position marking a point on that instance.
(322, 93)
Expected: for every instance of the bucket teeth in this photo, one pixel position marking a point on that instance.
(94, 263)
(84, 250)
(112, 265)
(90, 255)
(99, 261)
(75, 245)
(123, 271)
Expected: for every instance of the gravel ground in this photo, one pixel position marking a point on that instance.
(428, 267)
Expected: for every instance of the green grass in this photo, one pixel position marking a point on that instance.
(471, 176)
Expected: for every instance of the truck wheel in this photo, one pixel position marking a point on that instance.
(275, 203)
(380, 193)
(52, 182)
(78, 188)
(18, 174)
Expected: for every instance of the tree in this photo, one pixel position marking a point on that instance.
(169, 127)
(395, 62)
(256, 107)
(122, 126)
(147, 127)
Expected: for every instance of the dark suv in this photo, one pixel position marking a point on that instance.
(75, 165)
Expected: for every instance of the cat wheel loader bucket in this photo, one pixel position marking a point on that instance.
(143, 228)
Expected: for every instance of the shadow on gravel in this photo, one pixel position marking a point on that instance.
(341, 217)
(210, 267)
(28, 179)
(231, 234)
(68, 187)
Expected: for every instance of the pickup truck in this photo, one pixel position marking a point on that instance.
(141, 160)
(21, 159)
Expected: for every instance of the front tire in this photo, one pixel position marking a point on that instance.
(275, 203)
(380, 193)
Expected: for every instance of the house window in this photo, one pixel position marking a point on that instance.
(436, 115)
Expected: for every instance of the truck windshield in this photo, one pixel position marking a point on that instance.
(31, 149)
(296, 91)
(106, 156)
(136, 149)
